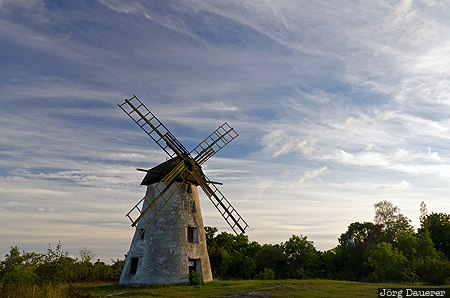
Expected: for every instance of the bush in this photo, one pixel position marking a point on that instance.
(389, 264)
(266, 274)
(195, 279)
(433, 271)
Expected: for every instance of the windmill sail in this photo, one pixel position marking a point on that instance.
(188, 168)
(170, 239)
(228, 212)
(145, 119)
(231, 216)
(214, 143)
(154, 206)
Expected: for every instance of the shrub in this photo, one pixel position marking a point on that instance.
(195, 279)
(433, 271)
(266, 274)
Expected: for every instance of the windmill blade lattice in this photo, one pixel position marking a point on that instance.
(228, 212)
(188, 168)
(145, 119)
(149, 214)
(214, 143)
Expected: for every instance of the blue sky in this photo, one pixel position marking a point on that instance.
(338, 106)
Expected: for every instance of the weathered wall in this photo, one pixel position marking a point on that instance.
(164, 250)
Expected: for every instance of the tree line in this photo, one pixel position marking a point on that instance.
(387, 249)
(55, 267)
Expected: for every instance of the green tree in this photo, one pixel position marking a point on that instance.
(231, 256)
(432, 262)
(389, 264)
(57, 266)
(394, 223)
(19, 268)
(366, 232)
(210, 233)
(347, 262)
(271, 257)
(438, 224)
(266, 274)
(301, 257)
(350, 257)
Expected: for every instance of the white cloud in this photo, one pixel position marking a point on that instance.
(395, 158)
(220, 106)
(312, 174)
(362, 88)
(401, 185)
(283, 141)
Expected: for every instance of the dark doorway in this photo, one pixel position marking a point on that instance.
(134, 265)
(192, 265)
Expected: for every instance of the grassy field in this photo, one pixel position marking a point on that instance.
(248, 288)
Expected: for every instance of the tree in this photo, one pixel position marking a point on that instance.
(430, 264)
(423, 211)
(389, 264)
(301, 257)
(350, 257)
(357, 232)
(56, 267)
(231, 256)
(86, 254)
(271, 257)
(394, 223)
(18, 268)
(438, 225)
(266, 274)
(210, 232)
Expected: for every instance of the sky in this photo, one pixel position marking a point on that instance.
(338, 105)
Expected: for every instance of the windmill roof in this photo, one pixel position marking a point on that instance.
(157, 173)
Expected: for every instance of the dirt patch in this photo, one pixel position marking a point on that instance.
(252, 294)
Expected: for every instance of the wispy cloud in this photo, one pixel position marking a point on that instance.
(337, 106)
(312, 174)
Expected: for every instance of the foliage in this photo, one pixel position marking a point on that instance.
(366, 232)
(390, 250)
(301, 257)
(231, 256)
(86, 255)
(266, 274)
(195, 279)
(389, 264)
(386, 250)
(23, 269)
(271, 257)
(393, 222)
(438, 225)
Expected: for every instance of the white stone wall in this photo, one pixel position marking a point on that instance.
(164, 251)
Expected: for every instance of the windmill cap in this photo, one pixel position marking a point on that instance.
(157, 173)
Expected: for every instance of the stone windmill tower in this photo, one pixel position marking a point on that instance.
(169, 242)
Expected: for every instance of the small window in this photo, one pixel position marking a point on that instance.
(189, 188)
(142, 232)
(193, 207)
(134, 265)
(192, 233)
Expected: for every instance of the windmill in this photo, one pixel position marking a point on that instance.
(169, 242)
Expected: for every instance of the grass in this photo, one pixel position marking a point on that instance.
(35, 291)
(247, 288)
(229, 288)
